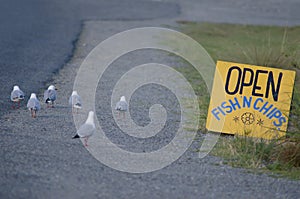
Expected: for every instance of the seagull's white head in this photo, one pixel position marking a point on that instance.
(74, 93)
(90, 119)
(51, 87)
(123, 99)
(33, 96)
(16, 88)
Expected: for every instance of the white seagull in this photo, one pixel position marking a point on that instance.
(122, 106)
(16, 96)
(50, 96)
(33, 105)
(87, 129)
(75, 101)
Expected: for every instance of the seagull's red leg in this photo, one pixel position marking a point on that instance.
(34, 113)
(19, 104)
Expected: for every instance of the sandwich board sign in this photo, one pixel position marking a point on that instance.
(250, 100)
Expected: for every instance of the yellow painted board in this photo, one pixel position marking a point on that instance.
(250, 100)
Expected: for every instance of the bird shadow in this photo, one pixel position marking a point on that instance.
(51, 116)
(61, 107)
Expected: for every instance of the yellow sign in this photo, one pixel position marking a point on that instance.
(250, 100)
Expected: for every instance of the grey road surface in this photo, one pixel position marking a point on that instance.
(38, 157)
(37, 37)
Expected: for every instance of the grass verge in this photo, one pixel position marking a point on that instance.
(258, 45)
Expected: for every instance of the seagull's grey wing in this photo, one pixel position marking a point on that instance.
(77, 100)
(52, 95)
(21, 94)
(46, 95)
(86, 130)
(33, 104)
(70, 100)
(49, 95)
(13, 95)
(122, 106)
(37, 105)
(30, 103)
(17, 94)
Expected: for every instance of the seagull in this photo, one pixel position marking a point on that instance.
(16, 96)
(75, 101)
(87, 129)
(50, 96)
(33, 105)
(122, 106)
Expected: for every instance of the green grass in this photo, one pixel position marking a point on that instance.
(280, 158)
(258, 45)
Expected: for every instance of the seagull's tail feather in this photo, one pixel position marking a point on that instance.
(76, 136)
(78, 105)
(48, 100)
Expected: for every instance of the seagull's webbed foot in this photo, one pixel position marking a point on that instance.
(85, 142)
(33, 113)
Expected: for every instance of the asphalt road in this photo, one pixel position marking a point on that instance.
(38, 158)
(37, 37)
